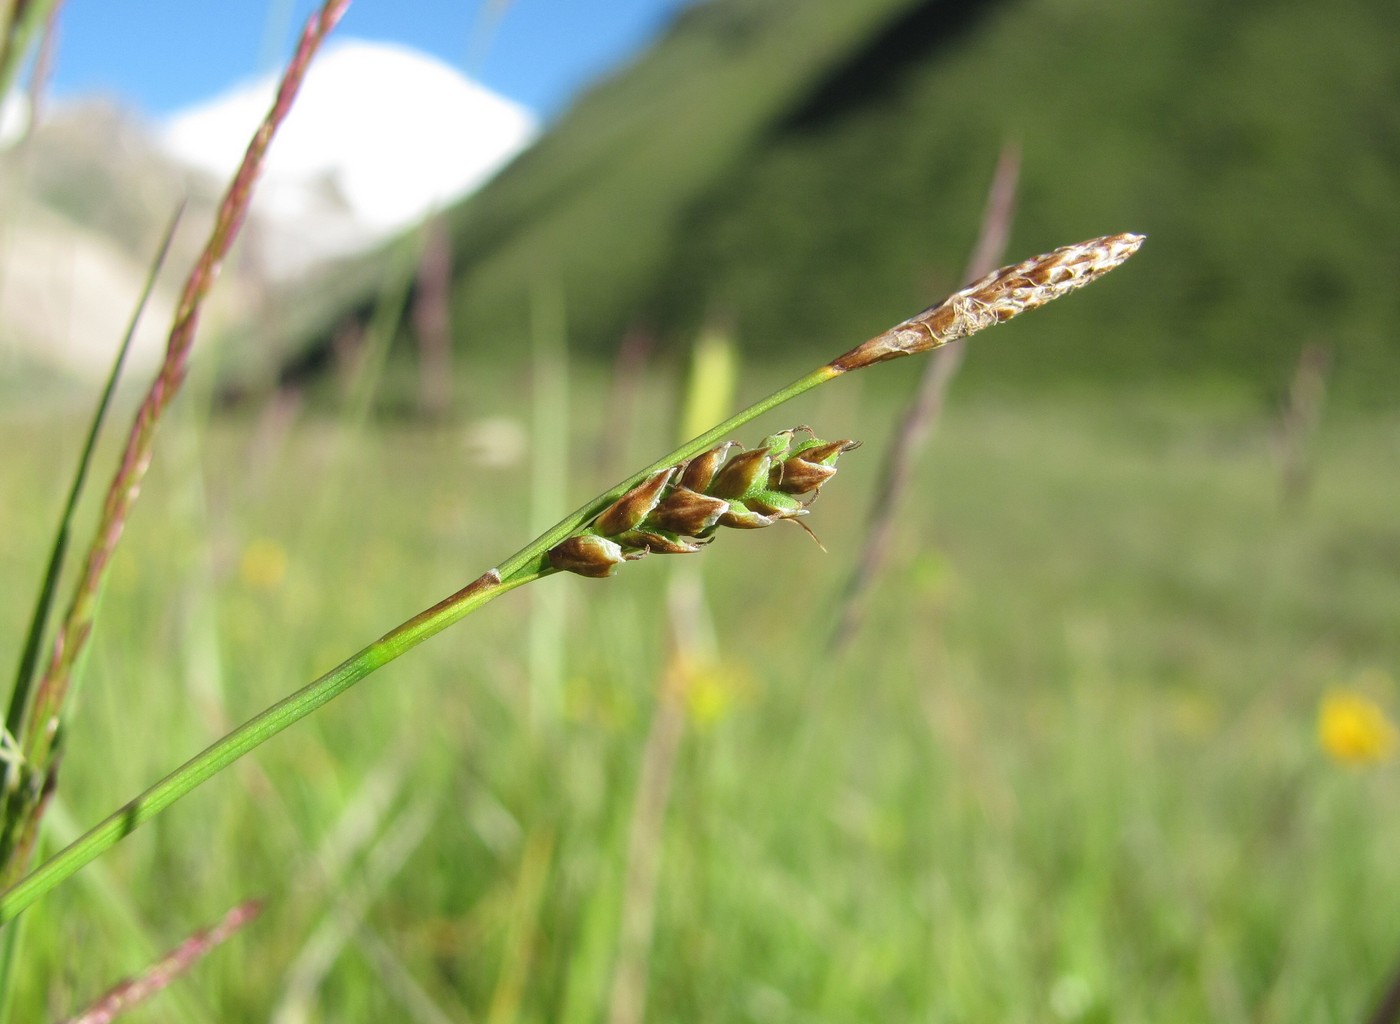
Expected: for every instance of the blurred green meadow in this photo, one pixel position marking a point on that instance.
(1069, 770)
(1116, 740)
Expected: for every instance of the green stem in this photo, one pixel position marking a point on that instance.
(526, 565)
(29, 657)
(247, 736)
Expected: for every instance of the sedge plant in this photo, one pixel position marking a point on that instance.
(676, 505)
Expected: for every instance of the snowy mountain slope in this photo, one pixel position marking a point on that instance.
(380, 136)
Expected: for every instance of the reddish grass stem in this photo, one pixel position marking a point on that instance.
(925, 408)
(432, 321)
(126, 995)
(646, 832)
(1299, 422)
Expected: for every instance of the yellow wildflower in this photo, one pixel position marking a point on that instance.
(263, 565)
(711, 689)
(1353, 729)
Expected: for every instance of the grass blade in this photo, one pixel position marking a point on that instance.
(29, 656)
(9, 952)
(20, 21)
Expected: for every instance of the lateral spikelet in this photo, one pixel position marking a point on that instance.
(679, 510)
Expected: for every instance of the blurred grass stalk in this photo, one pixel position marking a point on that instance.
(997, 298)
(921, 416)
(549, 472)
(432, 319)
(1299, 422)
(709, 392)
(21, 20)
(394, 841)
(128, 994)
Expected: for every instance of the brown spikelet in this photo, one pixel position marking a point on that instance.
(688, 512)
(741, 473)
(996, 298)
(741, 517)
(809, 468)
(700, 471)
(666, 515)
(634, 506)
(661, 543)
(590, 555)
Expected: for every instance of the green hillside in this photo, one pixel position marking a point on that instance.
(816, 169)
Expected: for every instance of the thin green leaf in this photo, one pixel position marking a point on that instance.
(9, 954)
(43, 605)
(21, 21)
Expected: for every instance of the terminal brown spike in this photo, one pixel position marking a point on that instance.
(996, 298)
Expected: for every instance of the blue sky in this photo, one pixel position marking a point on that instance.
(160, 55)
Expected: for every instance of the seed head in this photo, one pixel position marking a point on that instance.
(996, 298)
(678, 510)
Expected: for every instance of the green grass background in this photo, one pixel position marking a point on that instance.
(818, 170)
(1068, 771)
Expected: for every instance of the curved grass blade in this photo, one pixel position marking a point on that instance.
(21, 20)
(43, 605)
